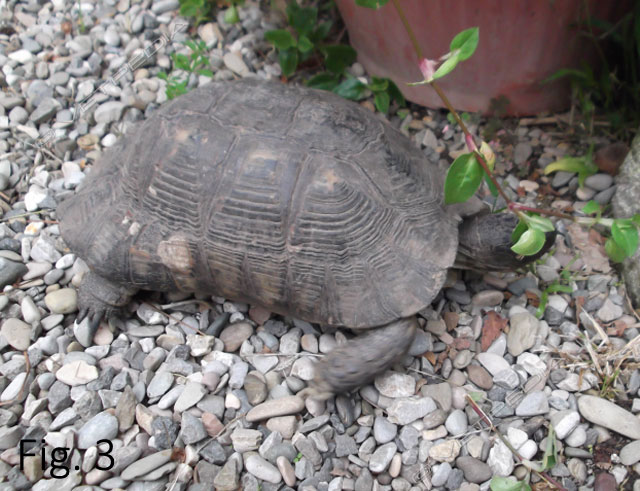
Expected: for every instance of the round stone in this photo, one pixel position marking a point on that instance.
(383, 430)
(523, 332)
(77, 373)
(393, 384)
(605, 413)
(18, 115)
(474, 470)
(283, 406)
(480, 376)
(63, 301)
(303, 368)
(381, 458)
(630, 453)
(17, 333)
(234, 335)
(456, 422)
(262, 469)
(285, 468)
(103, 426)
(255, 388)
(487, 298)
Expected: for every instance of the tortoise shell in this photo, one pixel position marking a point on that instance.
(281, 196)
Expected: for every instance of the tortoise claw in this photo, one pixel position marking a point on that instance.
(82, 313)
(94, 320)
(99, 298)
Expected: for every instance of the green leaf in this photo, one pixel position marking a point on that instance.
(205, 72)
(351, 88)
(466, 43)
(463, 178)
(580, 165)
(625, 236)
(476, 396)
(280, 38)
(372, 4)
(304, 44)
(338, 57)
(162, 75)
(288, 59)
(614, 251)
(302, 19)
(323, 81)
(181, 61)
(550, 456)
(544, 300)
(519, 229)
(592, 207)
(508, 484)
(446, 68)
(540, 223)
(321, 31)
(492, 187)
(462, 47)
(395, 93)
(190, 8)
(558, 288)
(636, 219)
(231, 15)
(565, 72)
(381, 100)
(378, 84)
(176, 89)
(529, 243)
(566, 164)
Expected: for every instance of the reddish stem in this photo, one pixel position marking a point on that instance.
(517, 206)
(447, 103)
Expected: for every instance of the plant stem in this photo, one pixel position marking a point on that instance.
(447, 103)
(541, 211)
(479, 157)
(451, 109)
(588, 221)
(407, 26)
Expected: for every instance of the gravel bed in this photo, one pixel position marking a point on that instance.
(197, 392)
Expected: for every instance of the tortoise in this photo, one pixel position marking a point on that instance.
(286, 197)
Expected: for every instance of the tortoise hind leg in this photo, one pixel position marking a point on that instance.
(360, 360)
(99, 297)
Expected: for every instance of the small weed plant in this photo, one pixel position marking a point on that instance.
(305, 39)
(560, 285)
(202, 10)
(184, 65)
(614, 87)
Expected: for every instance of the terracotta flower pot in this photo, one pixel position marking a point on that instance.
(522, 42)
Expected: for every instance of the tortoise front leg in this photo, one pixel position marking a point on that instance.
(363, 358)
(99, 297)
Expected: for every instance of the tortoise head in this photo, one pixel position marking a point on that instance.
(484, 243)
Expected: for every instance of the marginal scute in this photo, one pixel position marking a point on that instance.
(277, 195)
